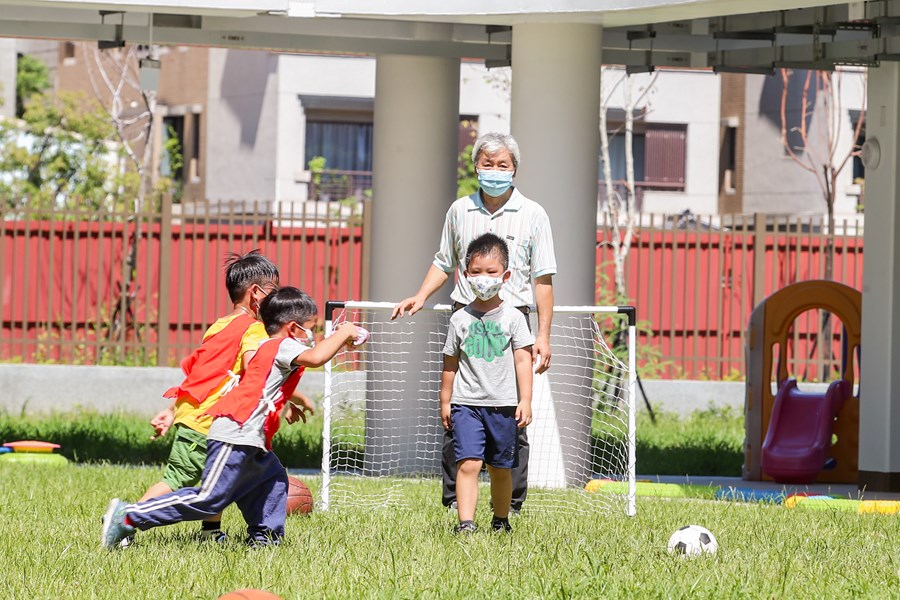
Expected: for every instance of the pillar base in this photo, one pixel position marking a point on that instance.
(877, 481)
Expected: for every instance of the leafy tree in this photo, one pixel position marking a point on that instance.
(57, 154)
(174, 155)
(466, 180)
(32, 77)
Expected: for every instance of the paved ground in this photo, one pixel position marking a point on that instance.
(845, 490)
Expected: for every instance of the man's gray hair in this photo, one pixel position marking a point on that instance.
(494, 142)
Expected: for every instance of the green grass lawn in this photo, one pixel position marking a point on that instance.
(50, 526)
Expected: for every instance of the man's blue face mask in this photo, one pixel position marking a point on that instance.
(495, 183)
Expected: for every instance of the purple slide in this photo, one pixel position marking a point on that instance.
(799, 433)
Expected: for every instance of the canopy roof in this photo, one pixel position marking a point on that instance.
(742, 35)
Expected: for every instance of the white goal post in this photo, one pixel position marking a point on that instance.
(381, 409)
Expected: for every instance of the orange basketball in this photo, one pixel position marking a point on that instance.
(299, 500)
(250, 595)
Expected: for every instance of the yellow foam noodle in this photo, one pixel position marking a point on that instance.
(662, 490)
(881, 507)
(792, 501)
(33, 458)
(593, 485)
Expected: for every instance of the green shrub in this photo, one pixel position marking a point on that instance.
(706, 443)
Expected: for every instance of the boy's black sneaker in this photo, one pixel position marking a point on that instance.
(465, 528)
(498, 524)
(213, 535)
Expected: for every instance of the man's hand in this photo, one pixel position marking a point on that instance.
(523, 414)
(162, 422)
(541, 353)
(409, 306)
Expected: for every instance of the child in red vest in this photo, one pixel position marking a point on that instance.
(210, 371)
(240, 465)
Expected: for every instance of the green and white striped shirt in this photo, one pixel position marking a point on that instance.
(521, 223)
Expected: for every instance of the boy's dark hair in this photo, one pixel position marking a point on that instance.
(242, 271)
(285, 305)
(488, 245)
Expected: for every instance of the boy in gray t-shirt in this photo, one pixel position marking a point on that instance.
(486, 383)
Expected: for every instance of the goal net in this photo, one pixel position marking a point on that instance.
(382, 430)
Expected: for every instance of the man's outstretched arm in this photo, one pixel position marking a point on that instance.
(434, 280)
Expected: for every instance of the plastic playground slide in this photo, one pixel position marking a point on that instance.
(799, 434)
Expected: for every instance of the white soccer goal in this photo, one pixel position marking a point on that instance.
(382, 429)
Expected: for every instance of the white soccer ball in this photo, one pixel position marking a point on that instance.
(693, 540)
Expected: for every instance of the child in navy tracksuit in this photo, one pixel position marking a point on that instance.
(240, 465)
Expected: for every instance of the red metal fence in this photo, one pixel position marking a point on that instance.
(71, 295)
(694, 280)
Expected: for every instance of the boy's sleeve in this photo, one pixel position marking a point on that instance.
(288, 352)
(451, 344)
(519, 332)
(253, 337)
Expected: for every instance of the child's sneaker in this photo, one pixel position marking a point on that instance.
(213, 535)
(498, 524)
(257, 543)
(453, 509)
(465, 528)
(114, 527)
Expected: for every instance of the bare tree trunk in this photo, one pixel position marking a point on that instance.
(115, 79)
(613, 200)
(630, 197)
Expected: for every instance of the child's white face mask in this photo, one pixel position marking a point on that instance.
(310, 339)
(485, 287)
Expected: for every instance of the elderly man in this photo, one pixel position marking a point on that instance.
(498, 208)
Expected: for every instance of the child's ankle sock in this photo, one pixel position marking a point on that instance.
(211, 525)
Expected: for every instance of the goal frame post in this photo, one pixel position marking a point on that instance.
(629, 311)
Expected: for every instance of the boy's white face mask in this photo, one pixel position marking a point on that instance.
(310, 340)
(485, 287)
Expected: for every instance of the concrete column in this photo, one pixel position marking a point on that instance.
(8, 70)
(414, 167)
(879, 427)
(414, 182)
(556, 119)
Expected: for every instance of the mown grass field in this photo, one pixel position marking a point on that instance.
(50, 524)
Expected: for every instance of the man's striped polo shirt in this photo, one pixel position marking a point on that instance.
(521, 223)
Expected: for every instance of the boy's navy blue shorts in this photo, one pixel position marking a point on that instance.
(486, 433)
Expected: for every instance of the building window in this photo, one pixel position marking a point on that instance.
(728, 161)
(171, 159)
(468, 132)
(664, 153)
(345, 146)
(859, 171)
(658, 152)
(193, 155)
(617, 156)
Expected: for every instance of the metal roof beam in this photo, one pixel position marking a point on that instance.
(637, 58)
(363, 36)
(618, 39)
(825, 56)
(237, 38)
